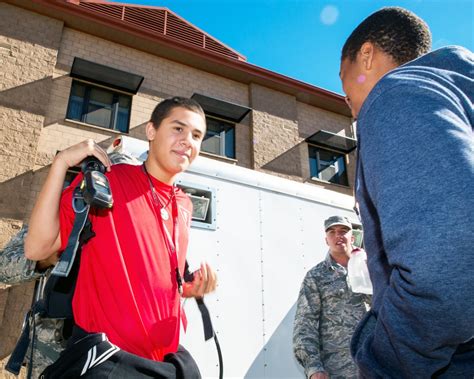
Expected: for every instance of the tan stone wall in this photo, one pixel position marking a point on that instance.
(280, 124)
(28, 52)
(312, 119)
(28, 56)
(275, 132)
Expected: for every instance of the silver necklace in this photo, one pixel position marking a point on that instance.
(163, 212)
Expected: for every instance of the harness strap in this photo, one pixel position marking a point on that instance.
(206, 319)
(66, 261)
(18, 355)
(62, 269)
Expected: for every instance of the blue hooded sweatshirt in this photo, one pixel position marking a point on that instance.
(415, 190)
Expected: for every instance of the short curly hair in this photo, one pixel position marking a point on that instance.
(396, 31)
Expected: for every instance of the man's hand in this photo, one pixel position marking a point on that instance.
(43, 238)
(205, 281)
(319, 375)
(75, 154)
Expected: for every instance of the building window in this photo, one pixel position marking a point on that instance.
(99, 106)
(328, 165)
(219, 138)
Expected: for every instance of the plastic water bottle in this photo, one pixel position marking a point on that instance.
(357, 273)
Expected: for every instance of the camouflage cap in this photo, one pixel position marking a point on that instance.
(337, 220)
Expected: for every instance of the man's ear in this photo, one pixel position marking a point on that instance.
(326, 239)
(150, 131)
(366, 52)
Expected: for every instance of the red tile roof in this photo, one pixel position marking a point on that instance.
(158, 20)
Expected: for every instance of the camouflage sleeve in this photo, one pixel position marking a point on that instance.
(306, 342)
(49, 344)
(14, 267)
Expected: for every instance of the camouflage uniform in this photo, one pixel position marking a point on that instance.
(16, 269)
(48, 344)
(326, 315)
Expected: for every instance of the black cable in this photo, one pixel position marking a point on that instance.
(219, 354)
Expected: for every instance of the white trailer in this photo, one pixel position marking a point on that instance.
(261, 234)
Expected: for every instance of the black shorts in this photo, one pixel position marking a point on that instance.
(91, 355)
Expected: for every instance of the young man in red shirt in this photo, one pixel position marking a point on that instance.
(128, 288)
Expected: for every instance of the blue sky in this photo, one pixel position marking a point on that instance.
(302, 39)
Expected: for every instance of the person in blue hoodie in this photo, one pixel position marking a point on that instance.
(414, 188)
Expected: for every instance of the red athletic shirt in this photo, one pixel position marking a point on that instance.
(127, 284)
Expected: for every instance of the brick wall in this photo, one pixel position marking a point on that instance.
(280, 124)
(28, 52)
(28, 55)
(312, 119)
(275, 132)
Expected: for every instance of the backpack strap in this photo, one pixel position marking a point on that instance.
(18, 355)
(67, 259)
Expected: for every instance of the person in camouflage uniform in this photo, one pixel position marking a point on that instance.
(49, 343)
(328, 311)
(15, 269)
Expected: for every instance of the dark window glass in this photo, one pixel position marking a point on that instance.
(100, 107)
(123, 114)
(76, 102)
(327, 165)
(219, 138)
(230, 143)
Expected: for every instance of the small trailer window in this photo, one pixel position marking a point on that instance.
(204, 204)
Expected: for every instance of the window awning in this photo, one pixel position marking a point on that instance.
(222, 109)
(336, 142)
(106, 76)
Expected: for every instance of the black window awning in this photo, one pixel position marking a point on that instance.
(106, 76)
(221, 109)
(336, 142)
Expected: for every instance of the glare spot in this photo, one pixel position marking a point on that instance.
(361, 79)
(329, 15)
